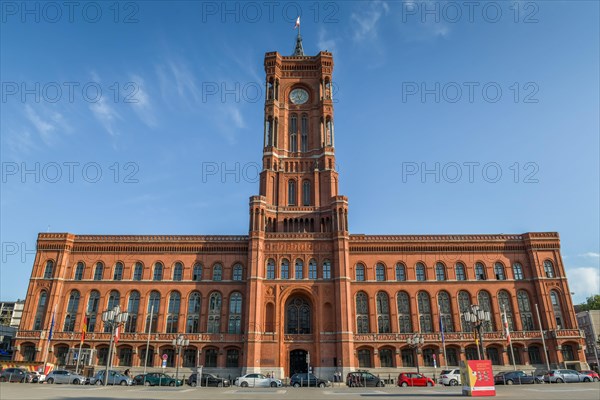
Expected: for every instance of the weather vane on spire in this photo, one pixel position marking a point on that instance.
(299, 50)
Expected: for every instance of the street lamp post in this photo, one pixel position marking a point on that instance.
(178, 343)
(477, 316)
(112, 318)
(416, 341)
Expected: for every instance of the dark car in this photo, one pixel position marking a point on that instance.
(414, 379)
(516, 378)
(363, 378)
(14, 375)
(208, 380)
(305, 379)
(156, 379)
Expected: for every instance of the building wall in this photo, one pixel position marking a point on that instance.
(589, 323)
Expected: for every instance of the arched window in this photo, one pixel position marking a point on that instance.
(79, 271)
(72, 308)
(383, 313)
(362, 313)
(193, 317)
(297, 316)
(364, 358)
(210, 358)
(197, 272)
(404, 316)
(535, 355)
(270, 269)
(291, 192)
(133, 308)
(154, 310)
(173, 312)
(440, 272)
(360, 272)
(28, 351)
(99, 271)
(158, 272)
(118, 273)
(312, 269)
(518, 271)
(49, 270)
(306, 193)
(138, 271)
(499, 271)
(217, 273)
(479, 271)
(464, 306)
(233, 358)
(114, 298)
(237, 272)
(424, 304)
(92, 310)
(178, 271)
(568, 353)
(445, 311)
(285, 269)
(485, 302)
(420, 271)
(460, 272)
(549, 269)
(505, 304)
(380, 272)
(293, 133)
(40, 311)
(329, 132)
(400, 272)
(386, 358)
(555, 299)
(214, 313)
(304, 144)
(235, 313)
(299, 269)
(525, 310)
(326, 269)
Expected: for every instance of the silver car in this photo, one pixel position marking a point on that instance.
(257, 380)
(565, 376)
(64, 376)
(114, 378)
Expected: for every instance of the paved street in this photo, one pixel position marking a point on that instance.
(583, 391)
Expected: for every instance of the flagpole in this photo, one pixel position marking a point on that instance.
(512, 352)
(537, 311)
(49, 338)
(443, 338)
(148, 339)
(83, 331)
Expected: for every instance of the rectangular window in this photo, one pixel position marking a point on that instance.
(460, 273)
(360, 274)
(327, 270)
(312, 271)
(299, 271)
(270, 271)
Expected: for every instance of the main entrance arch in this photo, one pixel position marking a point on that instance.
(298, 362)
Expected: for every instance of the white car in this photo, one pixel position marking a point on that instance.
(257, 380)
(450, 377)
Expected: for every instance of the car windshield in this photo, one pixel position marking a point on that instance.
(446, 371)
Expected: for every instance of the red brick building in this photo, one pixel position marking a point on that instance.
(299, 282)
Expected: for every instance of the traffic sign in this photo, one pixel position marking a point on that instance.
(164, 363)
(165, 357)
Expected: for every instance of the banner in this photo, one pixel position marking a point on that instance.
(477, 378)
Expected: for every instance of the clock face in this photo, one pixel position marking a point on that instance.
(298, 96)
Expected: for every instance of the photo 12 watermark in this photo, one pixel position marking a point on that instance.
(454, 12)
(469, 172)
(251, 12)
(68, 92)
(470, 92)
(53, 12)
(69, 172)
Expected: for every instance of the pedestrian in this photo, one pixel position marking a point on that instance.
(128, 373)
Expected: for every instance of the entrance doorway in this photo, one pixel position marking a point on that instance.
(298, 362)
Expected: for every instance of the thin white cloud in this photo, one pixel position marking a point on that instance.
(141, 103)
(21, 142)
(106, 114)
(590, 254)
(325, 43)
(177, 82)
(43, 127)
(368, 19)
(584, 282)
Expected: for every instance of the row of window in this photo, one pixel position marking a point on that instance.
(445, 309)
(192, 321)
(292, 193)
(442, 274)
(272, 130)
(299, 271)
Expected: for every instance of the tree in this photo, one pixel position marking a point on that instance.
(592, 303)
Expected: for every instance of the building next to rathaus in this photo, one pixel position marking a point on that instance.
(299, 283)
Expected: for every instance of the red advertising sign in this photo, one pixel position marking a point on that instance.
(477, 378)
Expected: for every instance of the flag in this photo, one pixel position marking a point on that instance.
(297, 23)
(51, 327)
(506, 330)
(84, 328)
(442, 329)
(117, 335)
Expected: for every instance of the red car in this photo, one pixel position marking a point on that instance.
(592, 374)
(414, 379)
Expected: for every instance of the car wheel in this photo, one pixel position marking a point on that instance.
(379, 384)
(50, 381)
(171, 383)
(296, 385)
(146, 383)
(244, 384)
(596, 379)
(123, 383)
(99, 382)
(558, 380)
(453, 382)
(404, 384)
(429, 384)
(194, 384)
(587, 380)
(322, 385)
(2, 379)
(75, 382)
(509, 382)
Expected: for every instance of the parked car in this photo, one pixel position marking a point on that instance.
(13, 375)
(156, 379)
(516, 378)
(592, 374)
(414, 379)
(208, 380)
(363, 378)
(305, 379)
(565, 375)
(36, 377)
(64, 376)
(257, 380)
(450, 377)
(114, 378)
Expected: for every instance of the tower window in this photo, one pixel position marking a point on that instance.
(291, 192)
(304, 144)
(293, 133)
(306, 193)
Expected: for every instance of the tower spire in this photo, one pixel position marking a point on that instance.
(298, 50)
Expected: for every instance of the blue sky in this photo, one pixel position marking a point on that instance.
(509, 87)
